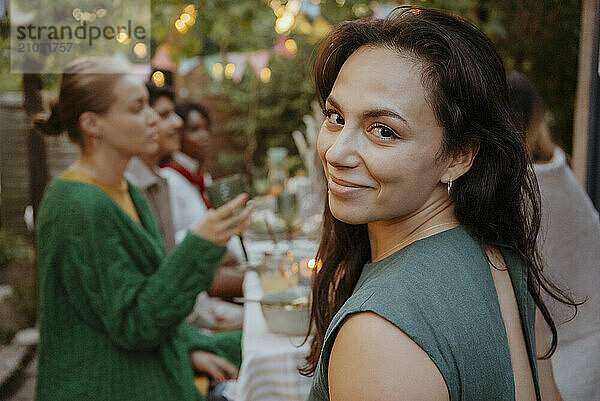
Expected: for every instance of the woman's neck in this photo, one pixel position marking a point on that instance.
(387, 237)
(102, 166)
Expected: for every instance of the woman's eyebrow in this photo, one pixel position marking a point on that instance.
(384, 113)
(381, 112)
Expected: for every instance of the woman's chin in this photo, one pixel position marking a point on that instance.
(149, 150)
(347, 215)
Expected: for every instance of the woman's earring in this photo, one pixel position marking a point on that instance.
(449, 185)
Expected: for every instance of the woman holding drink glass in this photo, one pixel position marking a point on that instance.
(112, 303)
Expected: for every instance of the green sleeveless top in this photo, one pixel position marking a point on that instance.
(440, 292)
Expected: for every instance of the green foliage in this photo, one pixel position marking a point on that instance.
(13, 247)
(7, 81)
(539, 38)
(248, 25)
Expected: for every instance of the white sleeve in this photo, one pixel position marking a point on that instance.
(186, 202)
(235, 247)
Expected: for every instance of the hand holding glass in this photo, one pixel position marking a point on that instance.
(218, 225)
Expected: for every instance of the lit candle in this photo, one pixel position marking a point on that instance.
(306, 268)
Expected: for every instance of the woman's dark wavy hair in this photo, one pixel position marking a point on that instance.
(497, 200)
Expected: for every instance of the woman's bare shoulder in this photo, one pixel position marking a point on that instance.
(372, 359)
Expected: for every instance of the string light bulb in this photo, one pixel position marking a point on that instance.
(140, 50)
(189, 9)
(291, 46)
(180, 26)
(229, 70)
(188, 17)
(284, 23)
(265, 74)
(122, 38)
(293, 6)
(158, 78)
(217, 70)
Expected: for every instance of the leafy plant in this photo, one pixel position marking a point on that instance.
(13, 247)
(258, 114)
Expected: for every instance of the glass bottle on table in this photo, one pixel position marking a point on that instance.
(278, 174)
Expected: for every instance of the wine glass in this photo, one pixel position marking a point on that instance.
(287, 210)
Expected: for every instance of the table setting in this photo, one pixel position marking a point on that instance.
(279, 259)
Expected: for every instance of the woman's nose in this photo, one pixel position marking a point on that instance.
(344, 151)
(152, 116)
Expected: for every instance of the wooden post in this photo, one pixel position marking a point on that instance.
(37, 158)
(582, 101)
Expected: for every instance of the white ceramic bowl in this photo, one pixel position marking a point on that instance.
(284, 317)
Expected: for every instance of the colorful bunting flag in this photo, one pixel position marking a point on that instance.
(239, 61)
(209, 64)
(162, 60)
(383, 10)
(279, 47)
(311, 9)
(259, 60)
(188, 64)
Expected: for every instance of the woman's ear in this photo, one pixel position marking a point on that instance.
(89, 124)
(460, 163)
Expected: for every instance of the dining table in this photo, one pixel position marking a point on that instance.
(270, 361)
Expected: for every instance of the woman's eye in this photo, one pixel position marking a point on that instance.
(381, 131)
(334, 118)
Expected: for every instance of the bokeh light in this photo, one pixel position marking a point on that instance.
(229, 70)
(284, 23)
(291, 46)
(140, 50)
(217, 70)
(180, 26)
(189, 9)
(265, 74)
(123, 38)
(158, 78)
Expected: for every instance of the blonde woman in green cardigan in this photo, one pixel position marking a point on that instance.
(112, 303)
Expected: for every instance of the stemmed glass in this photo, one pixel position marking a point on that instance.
(287, 210)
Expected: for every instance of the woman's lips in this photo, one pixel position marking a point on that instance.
(344, 188)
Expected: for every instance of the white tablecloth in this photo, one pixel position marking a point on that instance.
(270, 361)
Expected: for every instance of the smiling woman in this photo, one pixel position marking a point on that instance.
(430, 283)
(381, 141)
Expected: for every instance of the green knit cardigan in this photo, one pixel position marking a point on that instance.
(113, 304)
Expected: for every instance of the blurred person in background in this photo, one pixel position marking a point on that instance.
(210, 312)
(144, 172)
(570, 245)
(188, 177)
(112, 302)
